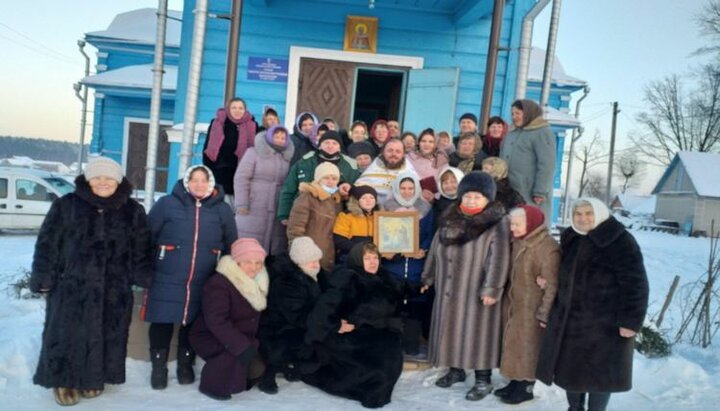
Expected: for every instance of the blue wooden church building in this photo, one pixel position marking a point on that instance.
(423, 64)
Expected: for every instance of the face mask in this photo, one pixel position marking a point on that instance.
(329, 190)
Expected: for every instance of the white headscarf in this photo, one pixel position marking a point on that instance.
(458, 176)
(211, 179)
(398, 203)
(601, 211)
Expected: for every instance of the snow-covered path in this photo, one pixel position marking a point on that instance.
(688, 380)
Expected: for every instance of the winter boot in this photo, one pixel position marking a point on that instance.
(291, 374)
(158, 377)
(267, 383)
(482, 386)
(454, 375)
(576, 400)
(91, 393)
(523, 392)
(66, 396)
(507, 390)
(185, 361)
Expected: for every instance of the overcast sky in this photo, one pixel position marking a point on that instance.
(616, 45)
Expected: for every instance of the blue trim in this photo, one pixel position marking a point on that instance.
(666, 174)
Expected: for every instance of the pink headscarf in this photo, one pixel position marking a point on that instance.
(246, 128)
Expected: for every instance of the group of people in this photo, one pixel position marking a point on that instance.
(263, 258)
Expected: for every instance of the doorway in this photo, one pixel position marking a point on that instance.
(378, 95)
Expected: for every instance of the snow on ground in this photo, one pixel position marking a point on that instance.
(688, 380)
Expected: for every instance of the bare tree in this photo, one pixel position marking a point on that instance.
(595, 185)
(629, 167)
(680, 121)
(589, 155)
(709, 21)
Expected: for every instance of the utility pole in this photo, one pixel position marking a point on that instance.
(84, 98)
(616, 111)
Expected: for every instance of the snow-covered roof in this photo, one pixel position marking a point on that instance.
(560, 118)
(139, 76)
(637, 204)
(140, 26)
(703, 170)
(559, 77)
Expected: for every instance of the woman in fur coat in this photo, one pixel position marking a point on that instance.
(224, 333)
(192, 228)
(355, 329)
(468, 265)
(601, 303)
(92, 247)
(526, 305)
(294, 289)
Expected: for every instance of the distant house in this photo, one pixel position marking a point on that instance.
(634, 204)
(27, 162)
(122, 85)
(689, 193)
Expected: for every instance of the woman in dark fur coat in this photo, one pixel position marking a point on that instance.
(293, 291)
(601, 303)
(356, 331)
(92, 247)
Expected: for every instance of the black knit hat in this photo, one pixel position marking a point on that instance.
(469, 116)
(330, 135)
(479, 182)
(358, 191)
(362, 147)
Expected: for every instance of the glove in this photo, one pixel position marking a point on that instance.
(246, 356)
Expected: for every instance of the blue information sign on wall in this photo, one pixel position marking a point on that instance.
(267, 69)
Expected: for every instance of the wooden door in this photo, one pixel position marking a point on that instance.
(326, 89)
(137, 157)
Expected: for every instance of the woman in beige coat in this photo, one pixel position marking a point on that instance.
(468, 265)
(314, 211)
(535, 261)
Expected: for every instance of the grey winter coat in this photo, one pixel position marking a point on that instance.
(258, 180)
(530, 154)
(468, 259)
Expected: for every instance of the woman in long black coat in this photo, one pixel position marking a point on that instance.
(294, 290)
(356, 331)
(600, 306)
(192, 227)
(92, 247)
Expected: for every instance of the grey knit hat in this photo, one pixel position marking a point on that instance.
(103, 166)
(304, 250)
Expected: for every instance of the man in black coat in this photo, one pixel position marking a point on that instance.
(293, 291)
(601, 304)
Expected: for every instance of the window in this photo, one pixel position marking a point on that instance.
(60, 184)
(30, 190)
(3, 187)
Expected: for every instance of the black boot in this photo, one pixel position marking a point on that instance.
(158, 377)
(576, 400)
(505, 391)
(185, 361)
(482, 386)
(267, 383)
(412, 330)
(454, 375)
(523, 392)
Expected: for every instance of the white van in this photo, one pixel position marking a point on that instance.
(26, 195)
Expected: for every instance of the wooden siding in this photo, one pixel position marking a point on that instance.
(270, 31)
(680, 208)
(678, 181)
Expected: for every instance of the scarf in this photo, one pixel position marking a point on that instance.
(471, 211)
(254, 290)
(246, 129)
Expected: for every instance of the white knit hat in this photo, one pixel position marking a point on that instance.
(304, 250)
(103, 166)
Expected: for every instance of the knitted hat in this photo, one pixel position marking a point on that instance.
(469, 116)
(304, 250)
(103, 166)
(330, 135)
(244, 249)
(356, 149)
(479, 182)
(533, 216)
(326, 169)
(358, 191)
